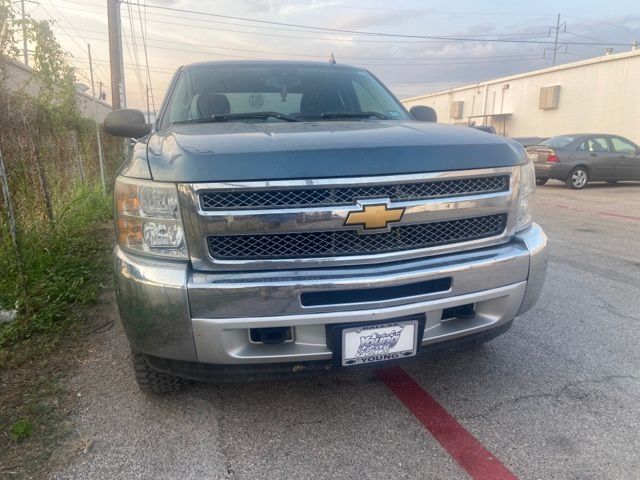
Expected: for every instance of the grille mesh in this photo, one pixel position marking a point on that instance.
(349, 242)
(310, 197)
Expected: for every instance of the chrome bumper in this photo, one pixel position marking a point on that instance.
(171, 311)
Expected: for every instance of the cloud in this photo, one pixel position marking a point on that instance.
(410, 67)
(369, 20)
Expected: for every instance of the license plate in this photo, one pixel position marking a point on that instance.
(378, 343)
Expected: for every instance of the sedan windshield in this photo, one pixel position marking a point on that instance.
(560, 141)
(276, 93)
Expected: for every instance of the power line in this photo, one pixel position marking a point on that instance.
(471, 61)
(134, 58)
(407, 10)
(354, 32)
(449, 37)
(146, 56)
(431, 12)
(129, 66)
(587, 37)
(306, 37)
(348, 57)
(69, 23)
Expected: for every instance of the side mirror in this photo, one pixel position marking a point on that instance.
(126, 122)
(423, 114)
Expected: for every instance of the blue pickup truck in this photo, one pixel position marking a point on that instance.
(293, 217)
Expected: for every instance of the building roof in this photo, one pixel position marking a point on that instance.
(564, 66)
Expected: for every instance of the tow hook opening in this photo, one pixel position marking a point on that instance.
(464, 312)
(271, 336)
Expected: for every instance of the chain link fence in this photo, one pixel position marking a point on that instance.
(49, 175)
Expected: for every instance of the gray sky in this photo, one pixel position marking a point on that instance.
(408, 66)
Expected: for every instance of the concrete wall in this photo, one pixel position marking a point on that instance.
(596, 95)
(86, 103)
(20, 77)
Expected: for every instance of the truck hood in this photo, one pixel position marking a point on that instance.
(210, 152)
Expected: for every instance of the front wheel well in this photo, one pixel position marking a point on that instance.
(579, 165)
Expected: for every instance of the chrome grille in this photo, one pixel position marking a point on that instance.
(348, 242)
(347, 195)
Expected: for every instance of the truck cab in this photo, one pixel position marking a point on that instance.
(283, 218)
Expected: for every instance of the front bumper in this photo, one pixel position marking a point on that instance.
(172, 312)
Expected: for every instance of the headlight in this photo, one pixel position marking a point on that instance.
(148, 218)
(527, 189)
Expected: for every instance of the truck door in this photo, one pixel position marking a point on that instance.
(628, 159)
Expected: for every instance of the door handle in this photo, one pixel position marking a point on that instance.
(593, 154)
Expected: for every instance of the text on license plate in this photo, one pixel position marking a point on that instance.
(376, 343)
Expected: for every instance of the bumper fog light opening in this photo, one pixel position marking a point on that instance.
(271, 336)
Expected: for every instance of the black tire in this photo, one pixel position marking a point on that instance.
(153, 381)
(541, 181)
(578, 178)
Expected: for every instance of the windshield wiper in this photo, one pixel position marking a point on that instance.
(234, 116)
(367, 114)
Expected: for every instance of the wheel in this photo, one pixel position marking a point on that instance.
(578, 178)
(612, 181)
(153, 381)
(541, 181)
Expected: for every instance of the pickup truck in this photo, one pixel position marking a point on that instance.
(283, 218)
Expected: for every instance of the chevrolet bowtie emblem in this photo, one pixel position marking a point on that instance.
(374, 217)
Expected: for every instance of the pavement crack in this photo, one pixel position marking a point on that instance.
(558, 394)
(228, 467)
(609, 307)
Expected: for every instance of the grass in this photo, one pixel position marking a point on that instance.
(66, 264)
(21, 429)
(63, 265)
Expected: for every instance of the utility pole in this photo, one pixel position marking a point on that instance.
(118, 93)
(24, 38)
(95, 117)
(148, 108)
(556, 29)
(555, 43)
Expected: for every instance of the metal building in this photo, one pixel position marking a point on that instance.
(601, 94)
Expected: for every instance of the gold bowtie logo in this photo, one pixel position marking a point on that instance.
(374, 217)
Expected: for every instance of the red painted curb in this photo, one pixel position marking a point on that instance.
(465, 449)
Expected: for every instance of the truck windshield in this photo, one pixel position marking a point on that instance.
(240, 93)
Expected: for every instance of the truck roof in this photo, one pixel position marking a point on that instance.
(267, 63)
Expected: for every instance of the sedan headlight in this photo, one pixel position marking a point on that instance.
(527, 189)
(148, 218)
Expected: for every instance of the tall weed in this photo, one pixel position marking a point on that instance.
(64, 263)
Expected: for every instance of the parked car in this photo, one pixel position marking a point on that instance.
(293, 217)
(529, 141)
(581, 158)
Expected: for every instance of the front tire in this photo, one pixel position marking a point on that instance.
(578, 178)
(541, 181)
(153, 381)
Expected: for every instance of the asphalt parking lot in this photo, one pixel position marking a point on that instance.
(556, 397)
